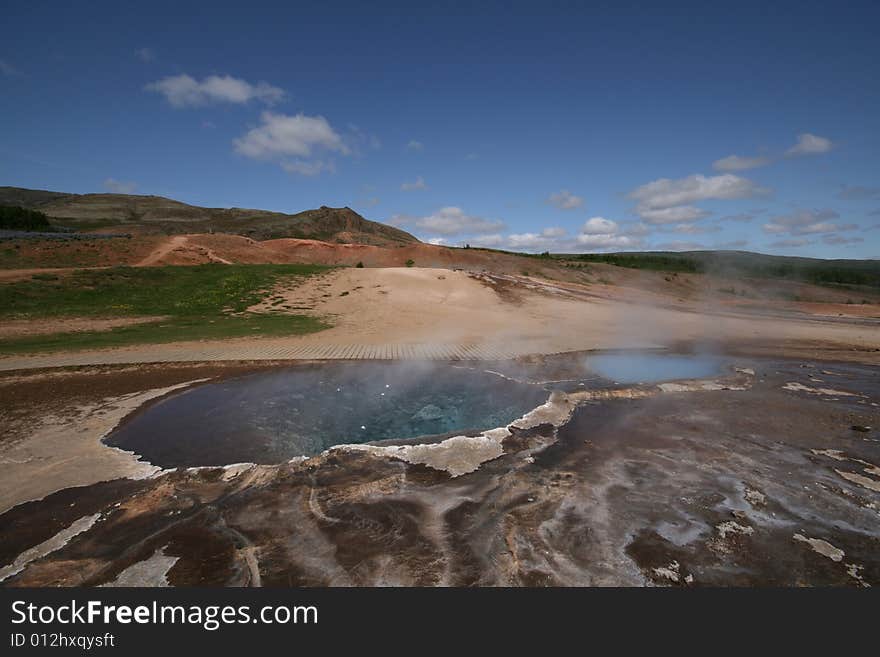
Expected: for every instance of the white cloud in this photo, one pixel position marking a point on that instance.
(307, 168)
(638, 228)
(606, 241)
(667, 201)
(489, 241)
(281, 135)
(808, 144)
(471, 156)
(840, 240)
(450, 221)
(437, 241)
(118, 187)
(185, 91)
(419, 184)
(554, 239)
(146, 55)
(666, 193)
(565, 200)
(599, 226)
(415, 145)
(806, 222)
(599, 233)
(737, 163)
(672, 215)
(529, 241)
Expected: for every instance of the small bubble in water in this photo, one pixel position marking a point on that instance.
(363, 427)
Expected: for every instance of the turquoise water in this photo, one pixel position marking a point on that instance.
(270, 417)
(635, 367)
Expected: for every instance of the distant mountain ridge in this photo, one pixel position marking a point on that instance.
(157, 214)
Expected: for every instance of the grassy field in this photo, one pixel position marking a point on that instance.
(196, 303)
(832, 273)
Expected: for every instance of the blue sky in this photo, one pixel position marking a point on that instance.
(551, 126)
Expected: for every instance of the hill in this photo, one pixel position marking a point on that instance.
(746, 264)
(159, 215)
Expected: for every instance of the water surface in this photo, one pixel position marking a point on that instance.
(641, 367)
(270, 417)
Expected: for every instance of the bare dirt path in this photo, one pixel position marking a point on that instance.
(176, 242)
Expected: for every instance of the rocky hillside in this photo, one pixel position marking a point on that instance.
(159, 215)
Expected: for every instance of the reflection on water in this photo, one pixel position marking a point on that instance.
(271, 417)
(636, 367)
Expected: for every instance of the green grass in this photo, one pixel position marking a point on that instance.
(831, 273)
(197, 303)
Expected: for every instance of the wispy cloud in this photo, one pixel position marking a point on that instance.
(415, 145)
(741, 217)
(8, 69)
(565, 200)
(858, 193)
(146, 55)
(596, 234)
(450, 221)
(806, 222)
(185, 91)
(840, 240)
(672, 215)
(695, 229)
(808, 144)
(737, 163)
(791, 243)
(417, 185)
(119, 187)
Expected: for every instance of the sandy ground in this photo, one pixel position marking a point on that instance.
(66, 450)
(434, 305)
(439, 313)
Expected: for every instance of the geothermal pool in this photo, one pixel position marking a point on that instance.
(270, 417)
(642, 367)
(273, 416)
